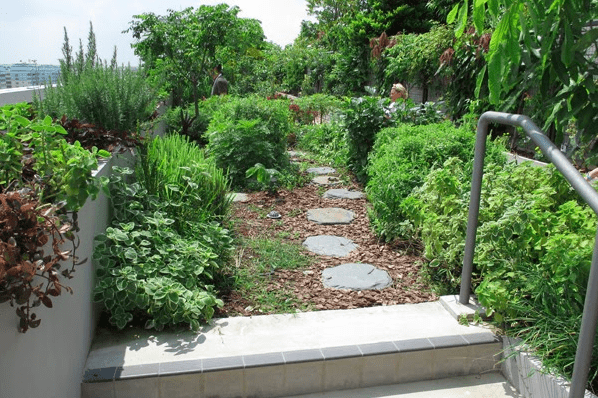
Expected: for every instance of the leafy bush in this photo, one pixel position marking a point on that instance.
(533, 249)
(42, 178)
(146, 270)
(109, 96)
(246, 131)
(364, 117)
(190, 185)
(406, 111)
(401, 159)
(319, 106)
(179, 120)
(326, 141)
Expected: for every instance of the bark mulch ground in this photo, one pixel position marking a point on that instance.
(305, 284)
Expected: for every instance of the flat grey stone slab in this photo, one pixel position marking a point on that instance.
(326, 180)
(327, 245)
(321, 170)
(240, 197)
(343, 194)
(296, 154)
(330, 215)
(356, 277)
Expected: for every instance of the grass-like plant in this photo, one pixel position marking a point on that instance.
(191, 186)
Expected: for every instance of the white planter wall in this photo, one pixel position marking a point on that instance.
(48, 361)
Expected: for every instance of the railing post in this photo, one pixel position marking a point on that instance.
(474, 208)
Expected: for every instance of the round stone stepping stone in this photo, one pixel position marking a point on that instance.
(296, 154)
(327, 245)
(343, 194)
(326, 180)
(239, 197)
(356, 277)
(330, 215)
(321, 170)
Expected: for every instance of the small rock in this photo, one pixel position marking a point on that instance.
(239, 197)
(326, 180)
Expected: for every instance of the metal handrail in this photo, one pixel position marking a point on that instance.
(585, 343)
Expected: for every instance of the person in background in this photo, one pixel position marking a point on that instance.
(398, 91)
(220, 86)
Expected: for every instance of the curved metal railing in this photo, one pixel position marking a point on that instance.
(585, 343)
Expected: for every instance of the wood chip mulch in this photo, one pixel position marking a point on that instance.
(306, 283)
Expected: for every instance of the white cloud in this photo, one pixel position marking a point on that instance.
(33, 29)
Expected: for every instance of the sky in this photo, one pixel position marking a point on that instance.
(33, 29)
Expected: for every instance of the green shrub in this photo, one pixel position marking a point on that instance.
(147, 271)
(108, 96)
(319, 106)
(401, 159)
(364, 117)
(326, 141)
(246, 131)
(533, 249)
(190, 185)
(181, 120)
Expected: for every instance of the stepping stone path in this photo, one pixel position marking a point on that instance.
(330, 216)
(327, 245)
(356, 277)
(346, 276)
(320, 171)
(343, 194)
(296, 154)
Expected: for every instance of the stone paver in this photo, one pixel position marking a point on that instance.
(240, 197)
(356, 277)
(343, 194)
(296, 154)
(327, 245)
(330, 216)
(321, 170)
(326, 180)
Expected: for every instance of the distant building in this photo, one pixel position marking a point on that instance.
(25, 75)
(5, 76)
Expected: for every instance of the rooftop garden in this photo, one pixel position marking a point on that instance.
(173, 254)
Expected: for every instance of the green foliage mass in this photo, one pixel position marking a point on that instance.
(36, 147)
(147, 271)
(193, 190)
(108, 96)
(541, 49)
(325, 141)
(400, 160)
(363, 118)
(251, 130)
(533, 249)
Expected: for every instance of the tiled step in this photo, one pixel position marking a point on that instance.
(292, 354)
(488, 385)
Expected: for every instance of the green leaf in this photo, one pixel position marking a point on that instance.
(453, 14)
(47, 121)
(480, 81)
(23, 122)
(478, 14)
(567, 49)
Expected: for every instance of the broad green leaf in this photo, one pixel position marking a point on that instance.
(453, 14)
(21, 120)
(478, 14)
(47, 121)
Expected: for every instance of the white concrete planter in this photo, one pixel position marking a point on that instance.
(524, 372)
